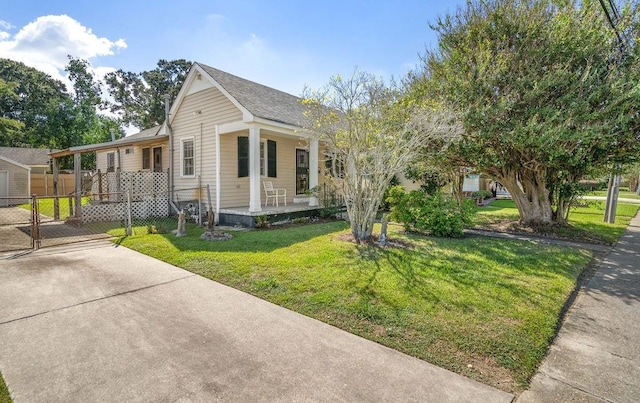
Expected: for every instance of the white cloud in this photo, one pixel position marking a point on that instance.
(45, 43)
(5, 25)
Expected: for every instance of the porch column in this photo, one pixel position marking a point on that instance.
(313, 163)
(255, 204)
(78, 175)
(56, 201)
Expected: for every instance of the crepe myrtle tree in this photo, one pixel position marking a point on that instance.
(371, 133)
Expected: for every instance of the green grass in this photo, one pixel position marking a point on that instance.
(45, 206)
(585, 222)
(492, 304)
(4, 392)
(621, 194)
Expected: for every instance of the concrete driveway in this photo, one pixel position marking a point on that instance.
(94, 322)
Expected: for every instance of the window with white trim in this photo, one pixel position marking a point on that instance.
(111, 162)
(146, 158)
(188, 157)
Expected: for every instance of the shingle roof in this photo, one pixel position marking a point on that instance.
(260, 100)
(150, 132)
(147, 135)
(27, 156)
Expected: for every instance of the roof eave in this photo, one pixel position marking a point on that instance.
(111, 144)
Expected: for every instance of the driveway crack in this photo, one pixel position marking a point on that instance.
(98, 299)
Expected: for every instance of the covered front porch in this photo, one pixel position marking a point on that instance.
(243, 216)
(264, 155)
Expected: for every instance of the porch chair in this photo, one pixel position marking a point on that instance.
(274, 194)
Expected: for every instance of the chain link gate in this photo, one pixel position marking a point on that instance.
(15, 224)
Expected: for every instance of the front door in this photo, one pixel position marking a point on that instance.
(157, 159)
(302, 171)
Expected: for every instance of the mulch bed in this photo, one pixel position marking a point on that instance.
(544, 231)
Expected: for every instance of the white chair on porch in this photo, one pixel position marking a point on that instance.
(274, 194)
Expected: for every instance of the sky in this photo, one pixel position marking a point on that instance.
(283, 44)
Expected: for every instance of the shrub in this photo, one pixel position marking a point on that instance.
(482, 193)
(438, 214)
(330, 202)
(385, 206)
(262, 221)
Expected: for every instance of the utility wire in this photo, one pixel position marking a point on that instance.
(613, 24)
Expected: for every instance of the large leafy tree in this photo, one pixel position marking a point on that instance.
(139, 97)
(544, 93)
(42, 105)
(368, 130)
(89, 124)
(11, 130)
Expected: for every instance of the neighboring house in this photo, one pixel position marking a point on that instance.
(37, 159)
(227, 133)
(14, 182)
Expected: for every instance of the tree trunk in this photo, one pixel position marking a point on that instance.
(532, 199)
(361, 221)
(457, 183)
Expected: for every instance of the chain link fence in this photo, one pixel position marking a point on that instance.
(125, 213)
(15, 224)
(41, 221)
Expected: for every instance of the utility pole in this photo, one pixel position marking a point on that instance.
(612, 198)
(614, 179)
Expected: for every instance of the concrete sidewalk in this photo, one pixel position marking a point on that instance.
(620, 199)
(596, 355)
(94, 322)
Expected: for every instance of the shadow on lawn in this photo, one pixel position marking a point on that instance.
(254, 241)
(471, 270)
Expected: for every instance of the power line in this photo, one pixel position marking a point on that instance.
(611, 22)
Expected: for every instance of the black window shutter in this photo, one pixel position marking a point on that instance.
(271, 159)
(243, 156)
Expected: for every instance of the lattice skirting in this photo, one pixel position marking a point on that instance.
(145, 208)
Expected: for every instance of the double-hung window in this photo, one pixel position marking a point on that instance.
(146, 158)
(188, 157)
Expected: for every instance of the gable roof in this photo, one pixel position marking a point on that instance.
(27, 156)
(12, 162)
(261, 101)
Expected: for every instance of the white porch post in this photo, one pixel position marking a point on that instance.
(255, 204)
(313, 163)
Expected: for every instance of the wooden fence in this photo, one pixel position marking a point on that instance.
(42, 184)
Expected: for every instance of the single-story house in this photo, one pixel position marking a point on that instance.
(235, 134)
(14, 182)
(229, 133)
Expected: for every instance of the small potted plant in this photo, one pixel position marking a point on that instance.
(313, 196)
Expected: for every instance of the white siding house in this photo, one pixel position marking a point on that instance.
(14, 182)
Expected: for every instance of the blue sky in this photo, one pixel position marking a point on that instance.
(283, 44)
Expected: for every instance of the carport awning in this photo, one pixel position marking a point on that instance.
(108, 145)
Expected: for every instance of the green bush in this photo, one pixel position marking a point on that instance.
(482, 193)
(438, 214)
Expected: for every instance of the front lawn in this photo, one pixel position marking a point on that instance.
(45, 206)
(621, 194)
(485, 308)
(586, 223)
